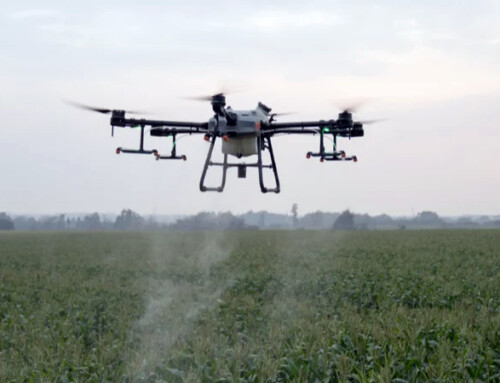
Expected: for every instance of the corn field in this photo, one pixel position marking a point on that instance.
(250, 306)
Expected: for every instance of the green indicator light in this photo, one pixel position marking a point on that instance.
(326, 130)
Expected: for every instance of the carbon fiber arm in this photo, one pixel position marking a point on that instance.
(314, 127)
(160, 125)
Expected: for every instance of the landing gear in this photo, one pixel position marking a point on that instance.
(209, 163)
(262, 144)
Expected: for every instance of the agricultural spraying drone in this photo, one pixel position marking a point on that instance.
(244, 133)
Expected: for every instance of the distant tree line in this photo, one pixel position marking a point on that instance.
(127, 220)
(344, 221)
(350, 221)
(347, 220)
(211, 221)
(6, 222)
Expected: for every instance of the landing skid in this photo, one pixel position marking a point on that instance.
(261, 146)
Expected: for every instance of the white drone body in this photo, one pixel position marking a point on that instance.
(240, 129)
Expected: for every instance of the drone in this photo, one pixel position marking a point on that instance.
(244, 133)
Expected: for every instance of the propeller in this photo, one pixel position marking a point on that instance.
(370, 122)
(282, 114)
(272, 116)
(352, 106)
(102, 110)
(204, 98)
(222, 92)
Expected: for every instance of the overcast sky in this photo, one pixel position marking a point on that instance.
(429, 67)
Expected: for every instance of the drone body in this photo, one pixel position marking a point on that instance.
(244, 133)
(240, 130)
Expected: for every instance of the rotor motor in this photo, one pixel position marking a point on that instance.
(218, 102)
(345, 120)
(357, 130)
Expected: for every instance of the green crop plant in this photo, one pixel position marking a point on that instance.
(271, 306)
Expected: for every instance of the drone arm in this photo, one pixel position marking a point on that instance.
(316, 130)
(291, 131)
(159, 128)
(321, 128)
(302, 125)
(178, 124)
(167, 132)
(314, 127)
(121, 121)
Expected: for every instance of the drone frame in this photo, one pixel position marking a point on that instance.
(264, 132)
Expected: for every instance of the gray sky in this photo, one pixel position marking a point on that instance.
(431, 68)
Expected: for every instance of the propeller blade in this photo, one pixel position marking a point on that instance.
(353, 105)
(198, 98)
(369, 122)
(136, 112)
(101, 110)
(87, 107)
(282, 114)
(222, 92)
(272, 116)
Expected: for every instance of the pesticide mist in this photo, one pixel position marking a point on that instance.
(182, 281)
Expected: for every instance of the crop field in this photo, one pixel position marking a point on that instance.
(283, 306)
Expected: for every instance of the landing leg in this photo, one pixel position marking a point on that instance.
(260, 148)
(208, 163)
